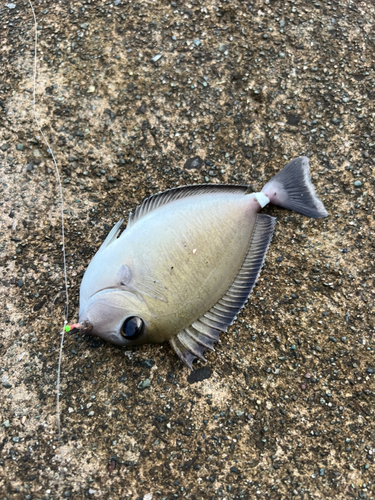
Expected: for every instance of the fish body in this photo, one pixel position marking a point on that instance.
(187, 262)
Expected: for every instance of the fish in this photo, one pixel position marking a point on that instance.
(187, 262)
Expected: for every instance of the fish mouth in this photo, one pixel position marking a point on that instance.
(87, 327)
(84, 327)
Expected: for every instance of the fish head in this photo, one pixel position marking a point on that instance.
(120, 317)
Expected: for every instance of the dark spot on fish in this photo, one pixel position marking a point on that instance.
(198, 375)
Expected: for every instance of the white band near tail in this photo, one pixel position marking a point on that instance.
(262, 199)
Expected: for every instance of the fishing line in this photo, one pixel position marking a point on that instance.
(66, 313)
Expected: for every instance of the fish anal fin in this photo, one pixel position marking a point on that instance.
(185, 355)
(192, 342)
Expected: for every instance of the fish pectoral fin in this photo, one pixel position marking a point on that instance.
(193, 341)
(150, 287)
(142, 284)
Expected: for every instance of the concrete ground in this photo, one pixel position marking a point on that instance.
(137, 97)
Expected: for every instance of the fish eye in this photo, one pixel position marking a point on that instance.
(132, 327)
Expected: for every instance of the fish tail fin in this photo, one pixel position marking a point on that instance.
(292, 189)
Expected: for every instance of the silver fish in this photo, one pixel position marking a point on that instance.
(187, 262)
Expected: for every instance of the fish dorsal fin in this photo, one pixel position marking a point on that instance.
(192, 342)
(157, 200)
(112, 235)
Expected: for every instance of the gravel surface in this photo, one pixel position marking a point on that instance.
(137, 97)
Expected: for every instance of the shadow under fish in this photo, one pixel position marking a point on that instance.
(187, 262)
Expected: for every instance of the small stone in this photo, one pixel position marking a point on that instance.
(37, 153)
(6, 423)
(144, 384)
(223, 47)
(148, 363)
(19, 147)
(197, 42)
(357, 184)
(10, 5)
(148, 496)
(84, 26)
(4, 147)
(20, 283)
(282, 54)
(370, 370)
(293, 119)
(117, 2)
(91, 89)
(321, 472)
(335, 121)
(195, 162)
(157, 57)
(142, 109)
(200, 374)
